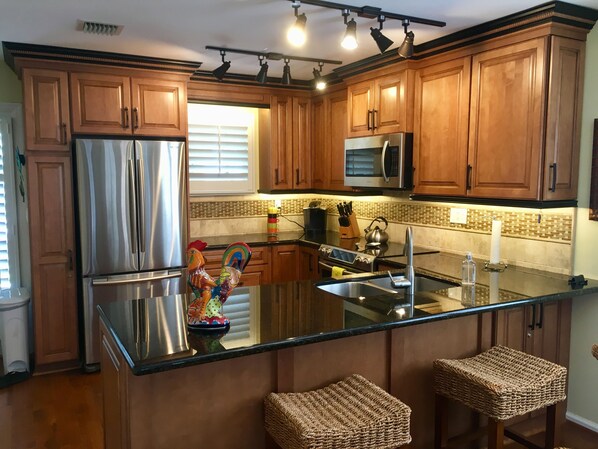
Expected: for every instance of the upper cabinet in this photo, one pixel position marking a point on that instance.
(513, 135)
(46, 101)
(379, 105)
(285, 148)
(120, 105)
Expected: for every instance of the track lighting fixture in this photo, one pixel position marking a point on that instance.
(319, 81)
(286, 73)
(221, 71)
(296, 34)
(381, 40)
(262, 75)
(406, 48)
(349, 41)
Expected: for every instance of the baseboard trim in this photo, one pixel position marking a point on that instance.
(582, 421)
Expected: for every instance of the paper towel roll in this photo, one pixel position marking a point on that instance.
(495, 242)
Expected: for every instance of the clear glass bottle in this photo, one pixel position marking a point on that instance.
(468, 270)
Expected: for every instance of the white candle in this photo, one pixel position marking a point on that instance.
(495, 242)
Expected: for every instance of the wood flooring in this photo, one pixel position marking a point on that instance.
(64, 411)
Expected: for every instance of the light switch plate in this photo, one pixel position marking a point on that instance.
(458, 215)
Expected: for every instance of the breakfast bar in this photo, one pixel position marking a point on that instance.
(164, 386)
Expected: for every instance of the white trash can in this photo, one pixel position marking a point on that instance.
(13, 329)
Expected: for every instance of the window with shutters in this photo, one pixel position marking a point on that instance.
(9, 259)
(242, 310)
(222, 149)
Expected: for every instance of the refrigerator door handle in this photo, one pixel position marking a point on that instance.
(133, 208)
(107, 281)
(141, 199)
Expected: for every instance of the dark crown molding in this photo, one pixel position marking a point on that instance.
(14, 50)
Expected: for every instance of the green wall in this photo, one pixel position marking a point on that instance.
(583, 373)
(10, 86)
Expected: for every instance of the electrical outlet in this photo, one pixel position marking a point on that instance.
(278, 203)
(458, 215)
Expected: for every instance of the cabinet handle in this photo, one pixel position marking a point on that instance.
(374, 112)
(63, 129)
(297, 177)
(125, 117)
(135, 118)
(540, 322)
(370, 120)
(552, 187)
(69, 255)
(468, 181)
(276, 176)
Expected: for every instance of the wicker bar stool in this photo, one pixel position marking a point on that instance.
(351, 414)
(595, 351)
(500, 383)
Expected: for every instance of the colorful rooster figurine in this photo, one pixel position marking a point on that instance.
(205, 311)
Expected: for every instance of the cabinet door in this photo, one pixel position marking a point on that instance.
(45, 95)
(281, 143)
(52, 259)
(563, 120)
(285, 263)
(505, 136)
(159, 107)
(388, 111)
(337, 133)
(361, 98)
(441, 127)
(319, 155)
(257, 271)
(308, 263)
(301, 143)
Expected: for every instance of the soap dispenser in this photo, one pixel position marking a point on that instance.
(468, 271)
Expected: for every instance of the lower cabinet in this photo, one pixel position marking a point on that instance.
(256, 272)
(53, 261)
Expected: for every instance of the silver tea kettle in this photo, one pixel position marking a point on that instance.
(376, 235)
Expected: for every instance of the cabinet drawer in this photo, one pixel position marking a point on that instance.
(259, 256)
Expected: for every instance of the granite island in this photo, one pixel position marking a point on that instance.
(165, 387)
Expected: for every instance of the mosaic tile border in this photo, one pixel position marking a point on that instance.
(545, 226)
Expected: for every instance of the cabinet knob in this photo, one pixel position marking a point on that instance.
(374, 113)
(370, 114)
(135, 118)
(125, 117)
(468, 181)
(552, 187)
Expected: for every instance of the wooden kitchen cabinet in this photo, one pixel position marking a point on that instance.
(308, 263)
(257, 271)
(285, 263)
(329, 130)
(285, 160)
(441, 124)
(46, 103)
(121, 105)
(378, 106)
(54, 295)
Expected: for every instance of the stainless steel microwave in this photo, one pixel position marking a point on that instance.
(384, 162)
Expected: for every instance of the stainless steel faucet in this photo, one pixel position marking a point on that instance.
(408, 280)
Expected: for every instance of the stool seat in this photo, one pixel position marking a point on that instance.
(502, 382)
(595, 351)
(351, 414)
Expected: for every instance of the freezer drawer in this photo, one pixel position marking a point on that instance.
(102, 290)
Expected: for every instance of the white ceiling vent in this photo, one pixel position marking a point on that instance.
(106, 29)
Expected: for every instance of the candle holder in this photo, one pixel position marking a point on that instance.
(495, 267)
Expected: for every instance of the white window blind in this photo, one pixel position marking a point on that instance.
(242, 312)
(7, 203)
(222, 142)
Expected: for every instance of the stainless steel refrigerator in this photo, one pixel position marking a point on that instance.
(132, 222)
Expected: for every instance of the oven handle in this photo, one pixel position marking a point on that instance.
(386, 178)
(330, 267)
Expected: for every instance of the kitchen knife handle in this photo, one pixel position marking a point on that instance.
(135, 118)
(468, 181)
(276, 176)
(297, 177)
(552, 187)
(125, 117)
(369, 120)
(374, 112)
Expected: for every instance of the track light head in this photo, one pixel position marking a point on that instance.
(286, 73)
(221, 71)
(296, 34)
(381, 40)
(349, 41)
(319, 81)
(262, 76)
(406, 48)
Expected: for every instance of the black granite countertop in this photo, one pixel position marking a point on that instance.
(153, 336)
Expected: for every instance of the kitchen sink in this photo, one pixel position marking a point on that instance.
(360, 289)
(422, 283)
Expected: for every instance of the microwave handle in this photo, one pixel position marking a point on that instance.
(386, 178)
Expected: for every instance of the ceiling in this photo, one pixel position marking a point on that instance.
(180, 29)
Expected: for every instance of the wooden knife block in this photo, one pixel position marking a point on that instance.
(351, 231)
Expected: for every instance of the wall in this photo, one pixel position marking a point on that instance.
(583, 375)
(10, 86)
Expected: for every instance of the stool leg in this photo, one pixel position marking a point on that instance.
(496, 434)
(440, 421)
(550, 426)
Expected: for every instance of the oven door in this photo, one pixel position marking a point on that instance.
(325, 269)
